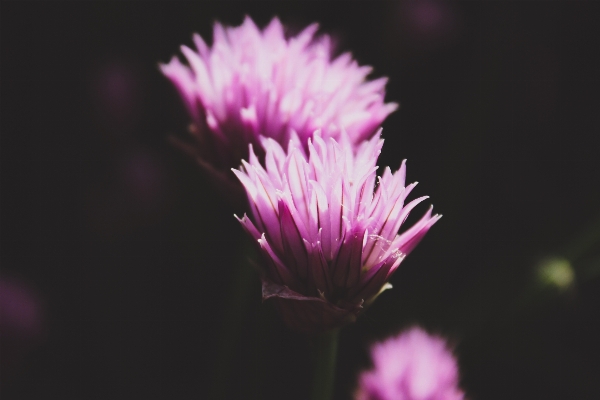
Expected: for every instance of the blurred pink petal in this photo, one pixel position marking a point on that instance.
(21, 324)
(254, 82)
(429, 24)
(411, 366)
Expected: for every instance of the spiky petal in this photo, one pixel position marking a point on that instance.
(330, 242)
(255, 82)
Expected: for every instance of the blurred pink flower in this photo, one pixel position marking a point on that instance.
(329, 242)
(253, 83)
(429, 24)
(117, 94)
(411, 366)
(22, 324)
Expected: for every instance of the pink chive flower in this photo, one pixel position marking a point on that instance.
(329, 242)
(411, 366)
(253, 83)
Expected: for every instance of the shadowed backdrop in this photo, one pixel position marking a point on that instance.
(117, 253)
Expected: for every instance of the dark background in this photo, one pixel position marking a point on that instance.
(127, 253)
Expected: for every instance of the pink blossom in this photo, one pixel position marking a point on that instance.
(253, 83)
(330, 243)
(411, 366)
(22, 324)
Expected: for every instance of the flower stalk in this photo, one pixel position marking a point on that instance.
(325, 353)
(239, 294)
(584, 242)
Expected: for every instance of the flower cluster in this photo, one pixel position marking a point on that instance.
(304, 126)
(412, 366)
(253, 83)
(330, 241)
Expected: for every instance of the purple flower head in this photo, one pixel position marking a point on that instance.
(411, 366)
(329, 242)
(253, 83)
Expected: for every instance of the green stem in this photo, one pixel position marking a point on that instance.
(231, 328)
(325, 350)
(584, 242)
(590, 269)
